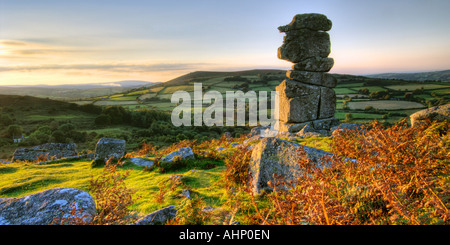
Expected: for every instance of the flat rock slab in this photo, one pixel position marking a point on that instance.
(141, 161)
(43, 207)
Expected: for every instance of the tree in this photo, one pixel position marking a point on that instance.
(5, 120)
(103, 120)
(15, 130)
(348, 117)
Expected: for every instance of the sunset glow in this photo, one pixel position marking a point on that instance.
(95, 41)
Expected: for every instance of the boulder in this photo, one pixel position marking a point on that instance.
(312, 21)
(44, 207)
(52, 150)
(108, 147)
(158, 217)
(313, 78)
(437, 113)
(277, 156)
(182, 153)
(227, 135)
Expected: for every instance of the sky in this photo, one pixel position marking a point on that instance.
(74, 42)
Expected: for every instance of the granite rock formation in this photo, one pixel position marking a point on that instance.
(306, 96)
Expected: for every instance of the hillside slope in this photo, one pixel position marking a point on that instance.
(442, 76)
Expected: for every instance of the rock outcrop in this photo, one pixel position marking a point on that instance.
(307, 97)
(49, 150)
(277, 156)
(44, 207)
(437, 113)
(108, 147)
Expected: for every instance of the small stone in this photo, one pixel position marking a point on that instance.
(227, 135)
(186, 193)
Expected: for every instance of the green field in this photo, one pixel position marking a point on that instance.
(159, 96)
(412, 87)
(384, 105)
(344, 91)
(124, 98)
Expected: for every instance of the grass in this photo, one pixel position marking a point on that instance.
(21, 179)
(344, 91)
(360, 201)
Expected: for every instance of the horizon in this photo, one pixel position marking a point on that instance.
(87, 42)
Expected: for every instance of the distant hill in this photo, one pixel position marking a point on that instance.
(74, 91)
(199, 75)
(439, 76)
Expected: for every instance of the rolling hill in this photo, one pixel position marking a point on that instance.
(442, 76)
(74, 91)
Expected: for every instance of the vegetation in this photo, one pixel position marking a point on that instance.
(400, 175)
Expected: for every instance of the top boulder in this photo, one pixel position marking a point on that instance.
(315, 22)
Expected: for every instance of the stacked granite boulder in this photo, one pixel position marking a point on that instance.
(307, 97)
